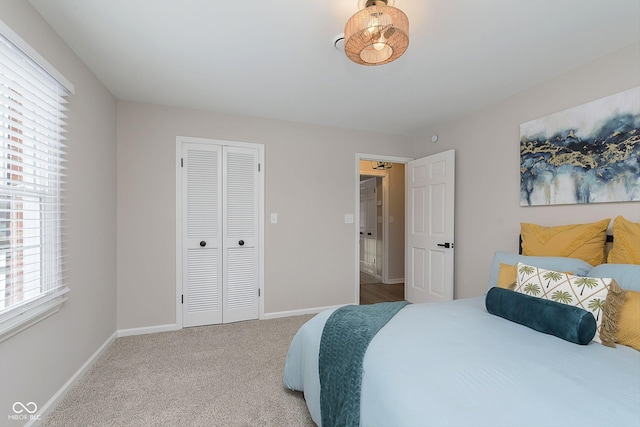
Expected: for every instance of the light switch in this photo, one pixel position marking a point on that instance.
(348, 218)
(274, 218)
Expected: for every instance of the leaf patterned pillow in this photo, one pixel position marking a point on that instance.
(588, 293)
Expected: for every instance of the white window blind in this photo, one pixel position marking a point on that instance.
(32, 280)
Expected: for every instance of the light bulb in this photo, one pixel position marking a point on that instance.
(381, 43)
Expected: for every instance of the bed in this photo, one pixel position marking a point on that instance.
(455, 364)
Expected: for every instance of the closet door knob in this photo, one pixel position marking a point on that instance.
(203, 243)
(241, 242)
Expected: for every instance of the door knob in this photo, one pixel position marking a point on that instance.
(241, 242)
(203, 243)
(445, 245)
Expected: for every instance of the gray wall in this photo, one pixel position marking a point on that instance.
(488, 212)
(310, 253)
(35, 363)
(310, 181)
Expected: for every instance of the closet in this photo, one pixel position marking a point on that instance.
(220, 227)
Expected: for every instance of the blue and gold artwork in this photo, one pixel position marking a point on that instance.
(586, 154)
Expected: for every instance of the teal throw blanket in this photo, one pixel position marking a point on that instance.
(345, 338)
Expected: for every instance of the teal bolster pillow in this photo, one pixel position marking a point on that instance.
(570, 323)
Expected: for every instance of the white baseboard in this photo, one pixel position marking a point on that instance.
(56, 398)
(53, 402)
(394, 281)
(147, 330)
(301, 312)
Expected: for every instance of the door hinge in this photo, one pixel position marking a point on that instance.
(258, 291)
(258, 167)
(181, 162)
(182, 302)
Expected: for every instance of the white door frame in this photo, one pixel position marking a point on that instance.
(179, 200)
(385, 212)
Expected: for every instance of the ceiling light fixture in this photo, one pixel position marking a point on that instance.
(377, 34)
(381, 165)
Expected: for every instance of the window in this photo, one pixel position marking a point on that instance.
(32, 284)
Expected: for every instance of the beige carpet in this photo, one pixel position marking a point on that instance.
(223, 375)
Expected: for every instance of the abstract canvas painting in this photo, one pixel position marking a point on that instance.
(586, 154)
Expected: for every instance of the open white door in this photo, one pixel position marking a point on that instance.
(430, 216)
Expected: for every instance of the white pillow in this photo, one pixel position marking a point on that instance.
(588, 293)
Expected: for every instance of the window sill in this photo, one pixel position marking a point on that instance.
(28, 315)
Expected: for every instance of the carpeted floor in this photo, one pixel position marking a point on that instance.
(223, 375)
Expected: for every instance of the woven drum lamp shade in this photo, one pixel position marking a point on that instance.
(376, 35)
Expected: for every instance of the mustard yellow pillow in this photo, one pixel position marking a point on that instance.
(507, 276)
(583, 241)
(626, 242)
(629, 321)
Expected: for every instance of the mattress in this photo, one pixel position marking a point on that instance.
(454, 364)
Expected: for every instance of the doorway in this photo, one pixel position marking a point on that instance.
(429, 188)
(381, 234)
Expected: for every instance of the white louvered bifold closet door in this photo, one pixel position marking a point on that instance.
(240, 218)
(220, 267)
(202, 234)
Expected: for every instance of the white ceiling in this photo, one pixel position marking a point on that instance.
(275, 59)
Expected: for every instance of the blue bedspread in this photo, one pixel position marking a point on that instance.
(453, 364)
(345, 338)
